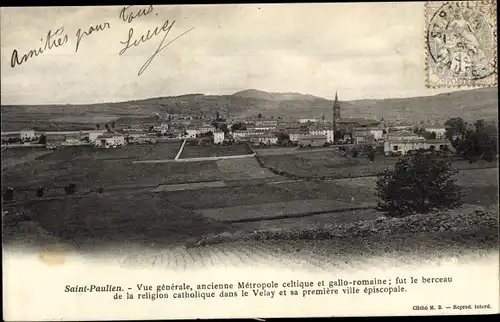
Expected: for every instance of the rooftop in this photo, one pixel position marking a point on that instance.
(313, 137)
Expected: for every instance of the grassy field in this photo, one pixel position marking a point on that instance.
(244, 168)
(89, 172)
(332, 165)
(192, 150)
(479, 186)
(163, 150)
(125, 217)
(267, 193)
(14, 156)
(127, 152)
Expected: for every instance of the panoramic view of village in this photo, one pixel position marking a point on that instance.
(186, 181)
(246, 141)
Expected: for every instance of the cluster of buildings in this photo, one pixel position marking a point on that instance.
(396, 138)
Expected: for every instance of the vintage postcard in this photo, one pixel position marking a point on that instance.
(249, 160)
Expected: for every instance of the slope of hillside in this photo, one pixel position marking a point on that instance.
(256, 94)
(470, 105)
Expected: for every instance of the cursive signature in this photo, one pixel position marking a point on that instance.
(166, 27)
(90, 30)
(129, 16)
(52, 40)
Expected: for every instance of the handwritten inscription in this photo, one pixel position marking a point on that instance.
(59, 38)
(128, 15)
(165, 28)
(90, 30)
(54, 39)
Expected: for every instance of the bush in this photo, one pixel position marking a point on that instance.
(40, 191)
(70, 189)
(419, 183)
(8, 194)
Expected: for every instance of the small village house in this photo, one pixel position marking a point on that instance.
(376, 132)
(406, 141)
(363, 136)
(312, 140)
(440, 144)
(205, 128)
(162, 128)
(349, 124)
(218, 137)
(28, 134)
(73, 139)
(192, 132)
(54, 140)
(241, 135)
(308, 120)
(107, 140)
(317, 129)
(93, 135)
(265, 124)
(266, 138)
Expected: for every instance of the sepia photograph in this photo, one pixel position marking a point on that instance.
(298, 139)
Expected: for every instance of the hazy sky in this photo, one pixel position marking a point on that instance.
(361, 50)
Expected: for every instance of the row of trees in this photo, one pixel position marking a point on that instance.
(111, 126)
(473, 142)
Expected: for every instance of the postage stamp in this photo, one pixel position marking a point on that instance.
(461, 44)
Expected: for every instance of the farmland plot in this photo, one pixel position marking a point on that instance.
(244, 168)
(192, 150)
(160, 151)
(124, 217)
(14, 156)
(109, 174)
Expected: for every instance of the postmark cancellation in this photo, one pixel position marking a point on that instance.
(461, 44)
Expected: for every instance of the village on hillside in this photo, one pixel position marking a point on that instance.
(389, 137)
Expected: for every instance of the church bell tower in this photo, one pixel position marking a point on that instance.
(336, 114)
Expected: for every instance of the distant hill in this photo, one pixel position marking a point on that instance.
(256, 94)
(468, 104)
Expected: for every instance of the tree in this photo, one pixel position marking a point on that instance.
(70, 189)
(238, 126)
(113, 124)
(455, 126)
(8, 194)
(283, 137)
(40, 191)
(371, 156)
(43, 139)
(223, 127)
(107, 127)
(420, 183)
(260, 115)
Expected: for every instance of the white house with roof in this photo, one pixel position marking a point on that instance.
(93, 135)
(266, 138)
(192, 132)
(28, 134)
(218, 137)
(322, 130)
(408, 141)
(362, 136)
(107, 140)
(241, 135)
(162, 128)
(308, 120)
